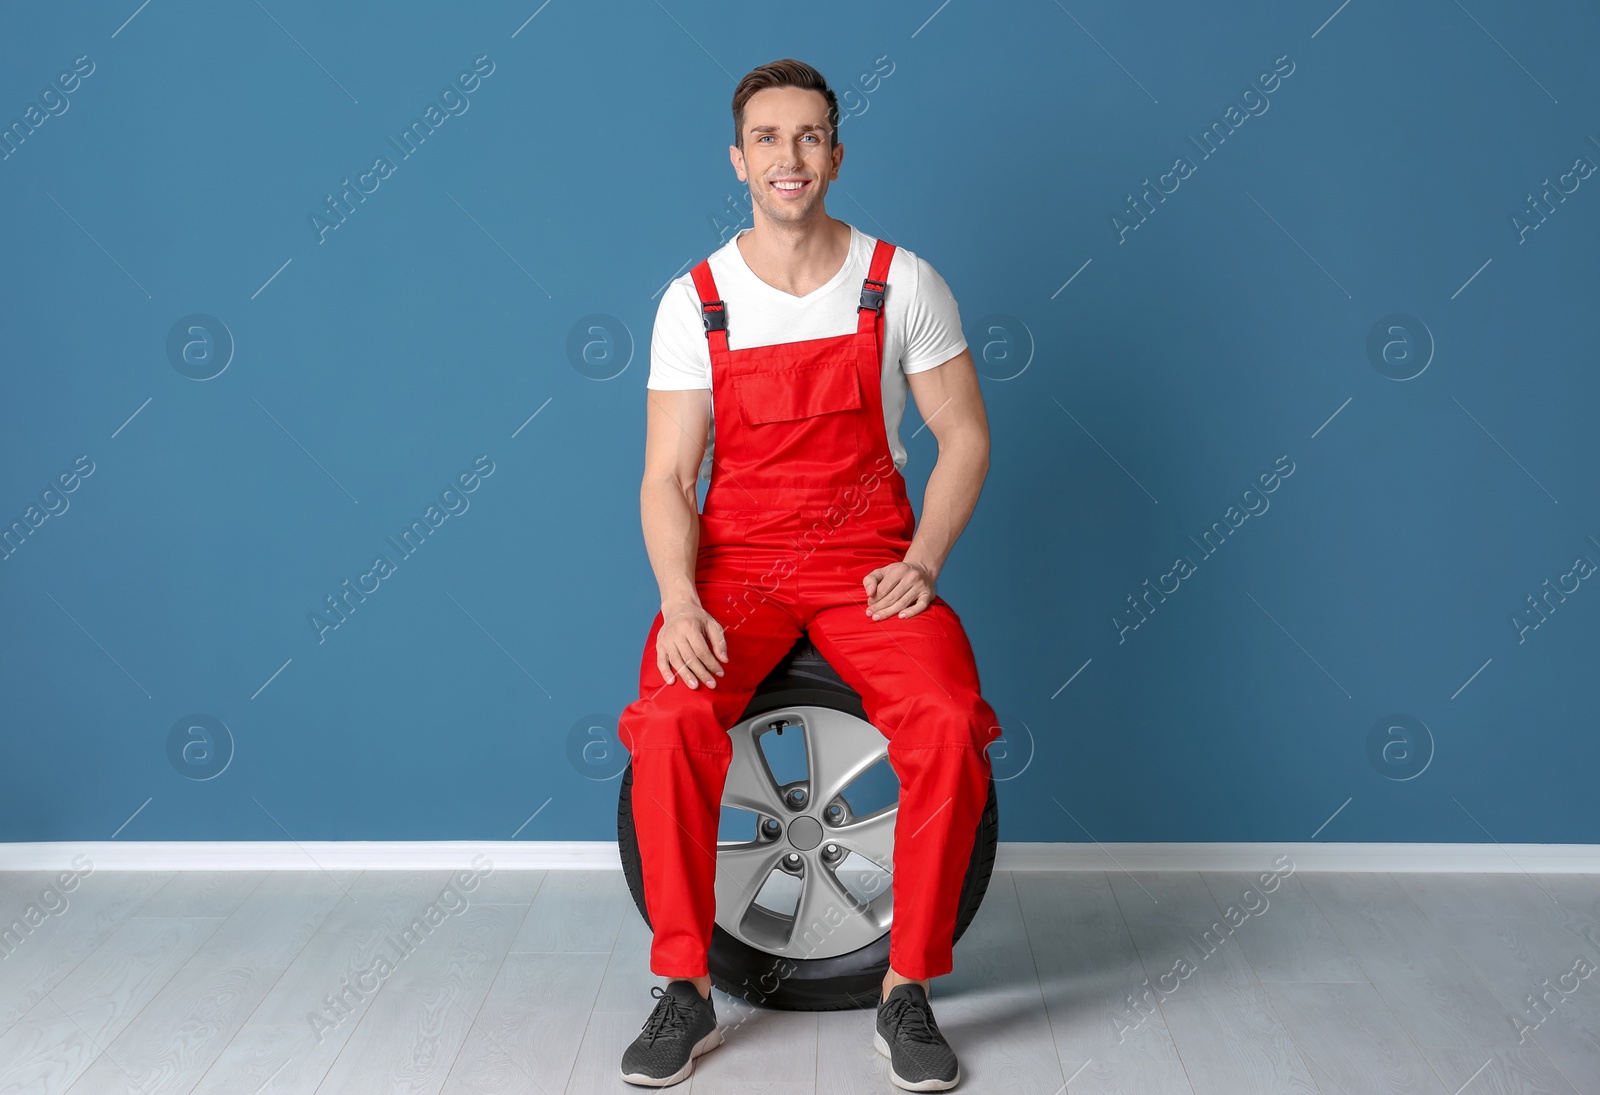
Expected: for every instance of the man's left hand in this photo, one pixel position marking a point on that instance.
(900, 588)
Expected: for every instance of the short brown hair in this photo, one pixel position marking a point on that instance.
(785, 73)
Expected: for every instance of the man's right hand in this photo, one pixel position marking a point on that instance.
(685, 644)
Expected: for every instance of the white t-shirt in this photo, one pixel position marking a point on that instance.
(921, 324)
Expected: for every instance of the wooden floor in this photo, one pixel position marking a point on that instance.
(223, 983)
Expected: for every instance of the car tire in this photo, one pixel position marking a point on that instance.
(804, 686)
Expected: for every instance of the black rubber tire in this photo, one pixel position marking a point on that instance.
(852, 980)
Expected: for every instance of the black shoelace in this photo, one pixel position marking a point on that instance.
(912, 1020)
(672, 1016)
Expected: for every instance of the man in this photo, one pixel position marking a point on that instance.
(804, 334)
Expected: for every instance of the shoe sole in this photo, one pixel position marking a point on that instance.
(931, 1084)
(705, 1045)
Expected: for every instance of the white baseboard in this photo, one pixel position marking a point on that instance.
(1306, 856)
(558, 855)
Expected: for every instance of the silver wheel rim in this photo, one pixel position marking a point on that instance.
(842, 864)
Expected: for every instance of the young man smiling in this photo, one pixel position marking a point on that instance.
(805, 334)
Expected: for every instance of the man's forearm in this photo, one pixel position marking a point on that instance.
(671, 537)
(950, 498)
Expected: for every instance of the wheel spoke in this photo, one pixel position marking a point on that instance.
(871, 836)
(750, 785)
(822, 904)
(839, 747)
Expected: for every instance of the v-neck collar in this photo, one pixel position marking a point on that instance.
(831, 283)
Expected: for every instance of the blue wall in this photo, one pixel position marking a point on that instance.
(1151, 362)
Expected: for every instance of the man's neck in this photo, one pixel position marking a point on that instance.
(795, 259)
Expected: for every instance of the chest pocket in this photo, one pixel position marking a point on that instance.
(793, 394)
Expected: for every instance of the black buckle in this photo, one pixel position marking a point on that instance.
(715, 316)
(871, 296)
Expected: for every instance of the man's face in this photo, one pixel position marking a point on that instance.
(786, 159)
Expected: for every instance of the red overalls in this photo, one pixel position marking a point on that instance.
(804, 501)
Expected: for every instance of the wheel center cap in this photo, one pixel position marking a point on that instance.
(805, 833)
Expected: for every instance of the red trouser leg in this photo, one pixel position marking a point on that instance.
(677, 738)
(918, 682)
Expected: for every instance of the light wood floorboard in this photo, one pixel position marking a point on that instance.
(269, 983)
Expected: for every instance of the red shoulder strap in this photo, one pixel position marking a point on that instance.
(713, 312)
(881, 254)
(869, 312)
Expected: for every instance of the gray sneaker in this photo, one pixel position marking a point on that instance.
(681, 1028)
(919, 1057)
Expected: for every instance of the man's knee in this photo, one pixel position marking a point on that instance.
(954, 719)
(677, 718)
